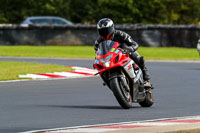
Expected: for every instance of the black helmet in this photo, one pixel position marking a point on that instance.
(105, 28)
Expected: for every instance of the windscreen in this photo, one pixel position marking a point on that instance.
(41, 21)
(105, 47)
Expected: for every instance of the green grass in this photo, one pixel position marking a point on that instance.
(164, 53)
(10, 70)
(48, 51)
(186, 131)
(169, 53)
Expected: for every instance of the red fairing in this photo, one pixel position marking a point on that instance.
(122, 60)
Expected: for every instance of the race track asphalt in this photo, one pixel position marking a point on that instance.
(31, 105)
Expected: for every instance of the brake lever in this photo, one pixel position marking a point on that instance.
(123, 51)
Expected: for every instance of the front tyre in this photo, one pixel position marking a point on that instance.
(123, 97)
(148, 101)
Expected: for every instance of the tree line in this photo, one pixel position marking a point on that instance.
(90, 11)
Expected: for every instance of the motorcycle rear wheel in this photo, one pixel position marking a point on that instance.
(148, 101)
(123, 97)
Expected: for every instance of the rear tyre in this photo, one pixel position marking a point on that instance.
(148, 101)
(123, 97)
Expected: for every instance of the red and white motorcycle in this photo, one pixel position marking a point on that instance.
(122, 75)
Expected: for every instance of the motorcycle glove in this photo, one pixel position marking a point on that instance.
(129, 49)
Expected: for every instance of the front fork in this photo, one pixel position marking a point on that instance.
(134, 86)
(125, 84)
(118, 73)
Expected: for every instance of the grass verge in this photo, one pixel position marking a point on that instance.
(186, 131)
(10, 70)
(48, 51)
(169, 53)
(159, 53)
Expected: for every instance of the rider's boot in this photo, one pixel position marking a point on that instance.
(146, 77)
(138, 59)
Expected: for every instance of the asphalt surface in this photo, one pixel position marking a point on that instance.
(32, 105)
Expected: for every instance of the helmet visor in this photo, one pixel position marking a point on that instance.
(106, 32)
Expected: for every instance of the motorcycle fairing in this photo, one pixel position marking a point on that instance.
(139, 76)
(114, 56)
(129, 69)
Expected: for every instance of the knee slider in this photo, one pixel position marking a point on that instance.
(141, 60)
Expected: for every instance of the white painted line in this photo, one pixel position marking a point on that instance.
(82, 69)
(154, 122)
(44, 79)
(33, 76)
(78, 72)
(89, 72)
(86, 130)
(68, 74)
(175, 61)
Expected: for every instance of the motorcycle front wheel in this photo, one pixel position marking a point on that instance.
(122, 95)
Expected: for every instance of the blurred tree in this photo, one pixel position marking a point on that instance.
(121, 11)
(90, 11)
(181, 12)
(151, 11)
(83, 11)
(14, 11)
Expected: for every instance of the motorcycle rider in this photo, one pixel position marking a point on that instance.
(106, 31)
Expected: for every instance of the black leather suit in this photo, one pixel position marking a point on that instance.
(126, 40)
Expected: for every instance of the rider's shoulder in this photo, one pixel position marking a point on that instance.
(120, 33)
(98, 40)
